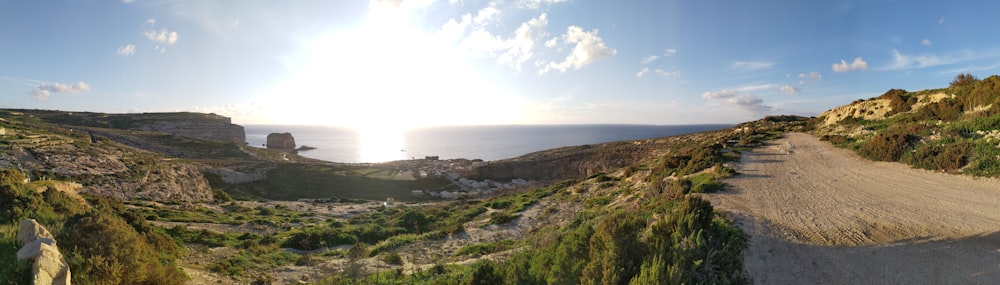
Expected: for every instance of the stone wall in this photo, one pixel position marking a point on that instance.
(39, 247)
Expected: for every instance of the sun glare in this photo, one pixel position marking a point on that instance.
(382, 77)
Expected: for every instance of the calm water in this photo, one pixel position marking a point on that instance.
(483, 142)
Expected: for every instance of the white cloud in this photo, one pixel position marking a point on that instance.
(750, 65)
(642, 72)
(668, 74)
(670, 52)
(925, 42)
(650, 59)
(521, 46)
(163, 36)
(46, 89)
(486, 14)
(127, 1)
(589, 48)
(408, 4)
(902, 61)
(810, 77)
(788, 89)
(750, 104)
(552, 42)
(721, 94)
(126, 50)
(151, 21)
(535, 4)
(857, 64)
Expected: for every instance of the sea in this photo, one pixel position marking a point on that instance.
(338, 144)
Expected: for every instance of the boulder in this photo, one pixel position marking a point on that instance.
(30, 230)
(48, 265)
(280, 141)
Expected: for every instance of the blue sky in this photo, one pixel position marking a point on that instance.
(382, 63)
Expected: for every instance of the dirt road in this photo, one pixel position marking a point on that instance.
(817, 214)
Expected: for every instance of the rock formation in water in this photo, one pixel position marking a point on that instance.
(38, 245)
(280, 141)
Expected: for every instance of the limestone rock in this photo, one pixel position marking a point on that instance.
(280, 141)
(49, 267)
(30, 231)
(196, 125)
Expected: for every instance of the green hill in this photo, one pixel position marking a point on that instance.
(954, 129)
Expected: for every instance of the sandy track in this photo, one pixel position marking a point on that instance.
(820, 214)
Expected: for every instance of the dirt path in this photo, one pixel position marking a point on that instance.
(819, 214)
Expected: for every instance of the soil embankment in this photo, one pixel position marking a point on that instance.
(819, 214)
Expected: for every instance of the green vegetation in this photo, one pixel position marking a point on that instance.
(634, 228)
(296, 181)
(958, 133)
(632, 220)
(105, 244)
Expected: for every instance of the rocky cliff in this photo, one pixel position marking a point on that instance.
(205, 126)
(195, 125)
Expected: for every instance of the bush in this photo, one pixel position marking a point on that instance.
(945, 157)
(887, 146)
(963, 79)
(392, 258)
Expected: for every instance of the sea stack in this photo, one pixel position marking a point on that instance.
(280, 141)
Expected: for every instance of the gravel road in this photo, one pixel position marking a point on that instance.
(817, 214)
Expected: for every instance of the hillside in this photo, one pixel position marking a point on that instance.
(954, 129)
(638, 212)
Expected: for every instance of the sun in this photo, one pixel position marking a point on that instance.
(383, 76)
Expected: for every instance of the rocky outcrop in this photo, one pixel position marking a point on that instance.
(39, 247)
(280, 141)
(204, 126)
(123, 173)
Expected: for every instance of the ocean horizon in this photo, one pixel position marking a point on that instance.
(495, 142)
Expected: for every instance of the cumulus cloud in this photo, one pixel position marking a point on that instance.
(45, 90)
(925, 42)
(126, 50)
(162, 36)
(589, 48)
(151, 21)
(522, 45)
(750, 65)
(670, 52)
(650, 59)
(857, 64)
(551, 42)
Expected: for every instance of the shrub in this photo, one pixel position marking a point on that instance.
(392, 258)
(886, 146)
(963, 79)
(946, 157)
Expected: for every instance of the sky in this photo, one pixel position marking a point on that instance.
(413, 63)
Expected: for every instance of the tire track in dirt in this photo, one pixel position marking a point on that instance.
(820, 214)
